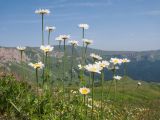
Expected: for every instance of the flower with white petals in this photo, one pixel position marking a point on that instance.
(95, 57)
(46, 48)
(59, 39)
(73, 42)
(50, 28)
(139, 83)
(20, 48)
(36, 65)
(115, 61)
(42, 11)
(87, 41)
(93, 68)
(84, 91)
(64, 37)
(89, 106)
(80, 67)
(103, 63)
(117, 77)
(83, 26)
(125, 60)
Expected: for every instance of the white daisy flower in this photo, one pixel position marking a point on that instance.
(64, 37)
(84, 90)
(87, 41)
(115, 61)
(42, 11)
(139, 83)
(93, 68)
(20, 48)
(117, 77)
(46, 48)
(103, 63)
(83, 26)
(80, 66)
(73, 42)
(36, 65)
(95, 57)
(125, 60)
(59, 39)
(50, 28)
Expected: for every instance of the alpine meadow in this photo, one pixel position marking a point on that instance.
(72, 77)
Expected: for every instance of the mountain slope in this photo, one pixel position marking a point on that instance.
(144, 65)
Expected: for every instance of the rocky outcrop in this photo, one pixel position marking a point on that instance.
(11, 55)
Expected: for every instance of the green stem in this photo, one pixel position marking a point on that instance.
(85, 105)
(83, 45)
(49, 37)
(115, 84)
(92, 95)
(83, 42)
(22, 65)
(90, 75)
(72, 63)
(42, 29)
(110, 85)
(83, 33)
(21, 55)
(85, 54)
(125, 69)
(64, 47)
(46, 67)
(124, 78)
(37, 89)
(102, 88)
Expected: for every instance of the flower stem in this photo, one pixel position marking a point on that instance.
(90, 75)
(22, 65)
(49, 37)
(115, 84)
(72, 63)
(42, 30)
(46, 67)
(102, 88)
(110, 85)
(124, 79)
(21, 55)
(83, 33)
(83, 44)
(92, 95)
(85, 105)
(37, 90)
(64, 47)
(85, 54)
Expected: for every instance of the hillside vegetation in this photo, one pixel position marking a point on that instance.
(144, 66)
(19, 100)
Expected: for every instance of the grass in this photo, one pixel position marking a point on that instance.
(18, 100)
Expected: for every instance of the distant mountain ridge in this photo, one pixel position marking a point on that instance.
(144, 65)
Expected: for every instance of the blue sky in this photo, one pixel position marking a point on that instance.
(114, 24)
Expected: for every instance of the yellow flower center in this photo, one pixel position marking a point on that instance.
(124, 61)
(46, 49)
(84, 91)
(36, 65)
(93, 69)
(115, 61)
(102, 65)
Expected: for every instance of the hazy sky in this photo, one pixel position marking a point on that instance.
(114, 24)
